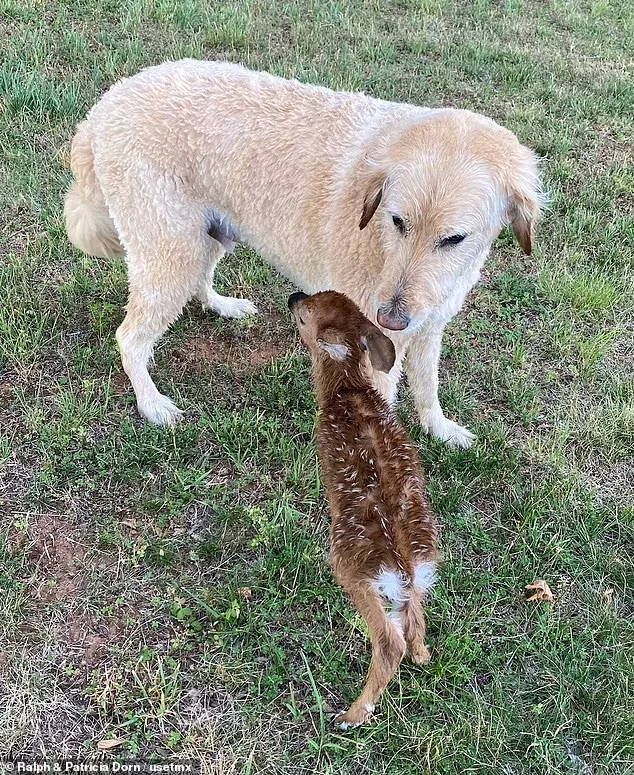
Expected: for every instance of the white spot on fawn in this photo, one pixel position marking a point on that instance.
(391, 585)
(425, 576)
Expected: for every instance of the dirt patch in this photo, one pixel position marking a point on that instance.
(90, 639)
(120, 384)
(56, 548)
(264, 355)
(199, 352)
(6, 391)
(58, 556)
(608, 148)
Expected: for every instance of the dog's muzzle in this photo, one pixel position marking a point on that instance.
(388, 318)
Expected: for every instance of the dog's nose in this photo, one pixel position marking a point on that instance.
(294, 298)
(393, 321)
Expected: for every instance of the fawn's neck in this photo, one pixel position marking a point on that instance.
(332, 378)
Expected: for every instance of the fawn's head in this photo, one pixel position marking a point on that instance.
(337, 333)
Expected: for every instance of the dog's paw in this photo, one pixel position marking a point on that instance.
(454, 434)
(230, 307)
(160, 410)
(354, 717)
(436, 424)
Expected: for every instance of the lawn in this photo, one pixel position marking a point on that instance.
(169, 587)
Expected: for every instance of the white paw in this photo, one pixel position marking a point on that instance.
(230, 307)
(455, 434)
(159, 410)
(447, 430)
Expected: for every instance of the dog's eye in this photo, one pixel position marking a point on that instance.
(455, 239)
(399, 223)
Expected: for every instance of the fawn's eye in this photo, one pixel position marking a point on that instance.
(454, 239)
(301, 321)
(399, 223)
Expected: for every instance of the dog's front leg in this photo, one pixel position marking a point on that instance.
(421, 365)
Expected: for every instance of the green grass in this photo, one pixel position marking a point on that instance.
(170, 586)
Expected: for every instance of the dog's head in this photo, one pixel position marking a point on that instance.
(439, 194)
(334, 328)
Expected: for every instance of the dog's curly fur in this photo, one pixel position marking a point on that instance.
(392, 204)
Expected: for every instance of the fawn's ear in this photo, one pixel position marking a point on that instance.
(380, 348)
(331, 342)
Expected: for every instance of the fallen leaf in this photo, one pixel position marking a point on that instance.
(131, 523)
(608, 596)
(245, 592)
(541, 592)
(106, 745)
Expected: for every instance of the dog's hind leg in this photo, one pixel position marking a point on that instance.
(149, 315)
(164, 270)
(388, 648)
(223, 237)
(225, 306)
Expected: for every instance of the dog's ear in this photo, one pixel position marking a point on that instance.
(372, 198)
(523, 213)
(331, 342)
(526, 199)
(380, 348)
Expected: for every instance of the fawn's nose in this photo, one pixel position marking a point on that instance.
(294, 298)
(393, 320)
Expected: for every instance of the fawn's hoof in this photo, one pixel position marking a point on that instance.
(354, 717)
(420, 655)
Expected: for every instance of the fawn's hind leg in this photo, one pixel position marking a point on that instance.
(388, 648)
(414, 629)
(412, 614)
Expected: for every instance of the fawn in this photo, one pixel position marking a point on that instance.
(383, 537)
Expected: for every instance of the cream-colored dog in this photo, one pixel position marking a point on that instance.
(394, 205)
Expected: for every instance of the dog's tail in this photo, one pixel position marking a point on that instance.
(88, 223)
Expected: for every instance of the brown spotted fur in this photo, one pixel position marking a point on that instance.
(381, 517)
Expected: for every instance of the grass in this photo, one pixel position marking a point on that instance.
(169, 586)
